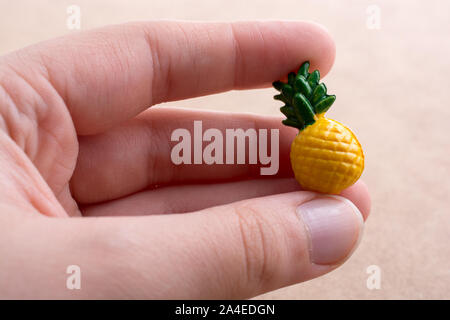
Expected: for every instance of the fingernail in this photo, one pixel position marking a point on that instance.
(334, 226)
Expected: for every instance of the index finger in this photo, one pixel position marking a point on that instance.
(108, 75)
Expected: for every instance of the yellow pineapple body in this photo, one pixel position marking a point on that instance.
(326, 157)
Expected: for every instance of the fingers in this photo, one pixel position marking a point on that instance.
(233, 251)
(22, 185)
(108, 75)
(189, 198)
(359, 195)
(137, 154)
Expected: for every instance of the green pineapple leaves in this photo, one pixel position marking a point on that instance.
(304, 97)
(305, 109)
(303, 71)
(302, 86)
(324, 104)
(318, 93)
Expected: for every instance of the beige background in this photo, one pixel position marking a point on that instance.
(393, 90)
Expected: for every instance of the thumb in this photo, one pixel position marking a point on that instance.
(254, 246)
(238, 250)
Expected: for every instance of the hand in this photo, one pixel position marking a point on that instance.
(75, 141)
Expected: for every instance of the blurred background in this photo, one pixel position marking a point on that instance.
(391, 80)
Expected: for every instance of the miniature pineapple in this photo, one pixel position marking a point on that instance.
(325, 155)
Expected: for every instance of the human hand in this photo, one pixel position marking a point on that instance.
(75, 141)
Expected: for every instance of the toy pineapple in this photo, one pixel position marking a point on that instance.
(325, 155)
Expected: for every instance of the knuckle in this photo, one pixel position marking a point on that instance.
(259, 240)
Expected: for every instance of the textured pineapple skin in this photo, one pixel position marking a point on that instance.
(326, 157)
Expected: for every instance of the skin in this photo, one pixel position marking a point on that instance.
(77, 140)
